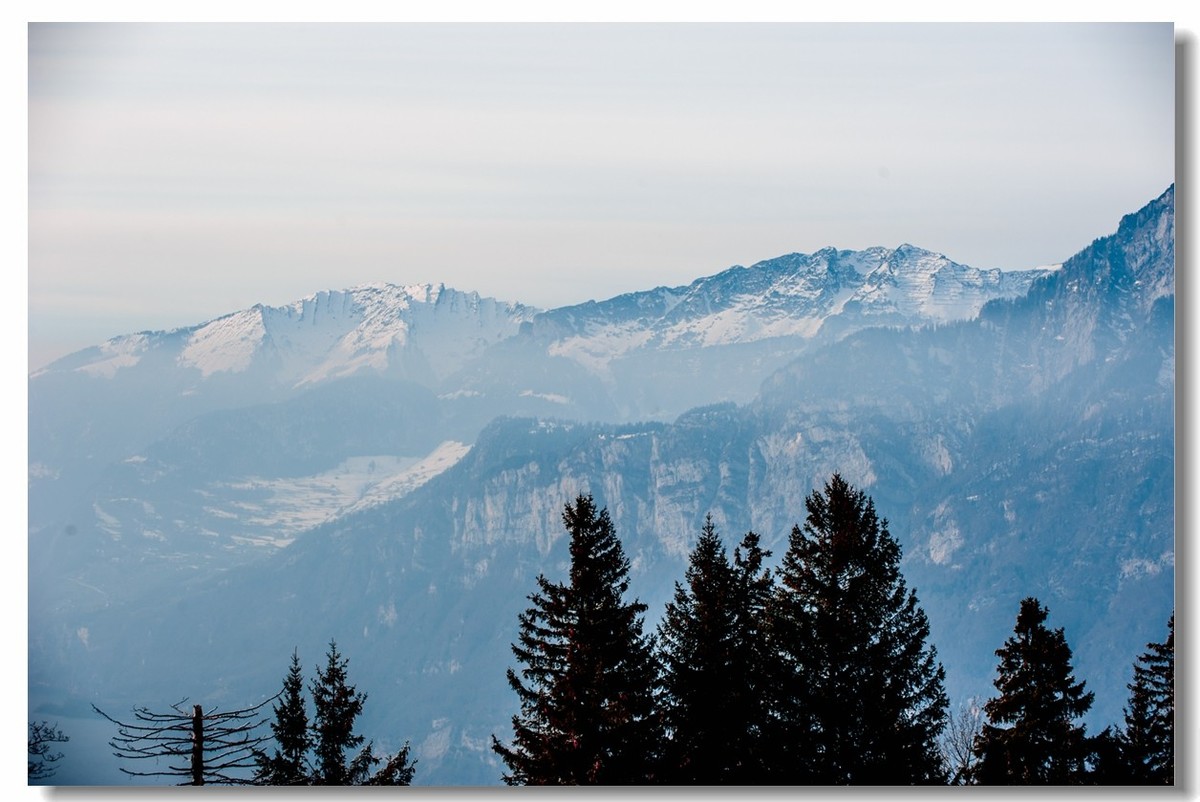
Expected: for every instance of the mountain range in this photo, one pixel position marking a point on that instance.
(387, 466)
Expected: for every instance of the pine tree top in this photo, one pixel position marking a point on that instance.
(1031, 737)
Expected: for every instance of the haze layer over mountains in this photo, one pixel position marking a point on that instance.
(387, 466)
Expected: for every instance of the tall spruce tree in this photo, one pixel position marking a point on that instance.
(1147, 744)
(586, 692)
(315, 752)
(1106, 760)
(713, 685)
(336, 705)
(753, 589)
(1031, 737)
(862, 700)
(289, 764)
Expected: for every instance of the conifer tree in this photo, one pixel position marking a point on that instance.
(315, 753)
(710, 641)
(396, 770)
(862, 696)
(289, 764)
(1031, 737)
(587, 688)
(336, 705)
(1148, 742)
(753, 588)
(1106, 761)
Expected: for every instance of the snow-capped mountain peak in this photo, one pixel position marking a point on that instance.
(928, 287)
(793, 296)
(427, 328)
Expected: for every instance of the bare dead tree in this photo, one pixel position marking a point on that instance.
(204, 748)
(41, 759)
(957, 743)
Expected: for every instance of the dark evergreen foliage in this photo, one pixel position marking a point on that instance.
(713, 679)
(1148, 741)
(336, 705)
(397, 770)
(1106, 762)
(753, 588)
(314, 753)
(1031, 737)
(862, 699)
(289, 764)
(586, 691)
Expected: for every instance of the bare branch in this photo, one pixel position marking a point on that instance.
(212, 744)
(957, 743)
(41, 735)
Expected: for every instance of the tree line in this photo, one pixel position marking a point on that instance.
(227, 747)
(819, 672)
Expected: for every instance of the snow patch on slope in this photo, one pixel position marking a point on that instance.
(117, 353)
(602, 344)
(788, 297)
(925, 285)
(227, 344)
(404, 482)
(337, 333)
(292, 505)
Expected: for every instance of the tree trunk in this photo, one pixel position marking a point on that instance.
(197, 745)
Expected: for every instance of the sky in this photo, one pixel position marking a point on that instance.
(178, 172)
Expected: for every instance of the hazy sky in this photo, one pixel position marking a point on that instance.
(178, 172)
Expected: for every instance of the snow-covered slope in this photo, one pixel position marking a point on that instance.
(99, 406)
(1025, 451)
(250, 404)
(794, 296)
(1028, 451)
(646, 355)
(427, 333)
(421, 329)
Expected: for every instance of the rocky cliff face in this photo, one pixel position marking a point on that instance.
(189, 448)
(1028, 451)
(656, 351)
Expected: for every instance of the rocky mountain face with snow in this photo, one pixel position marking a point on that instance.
(103, 404)
(655, 352)
(1016, 429)
(197, 447)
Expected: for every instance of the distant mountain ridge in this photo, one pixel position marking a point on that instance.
(427, 332)
(795, 295)
(332, 334)
(632, 357)
(1025, 450)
